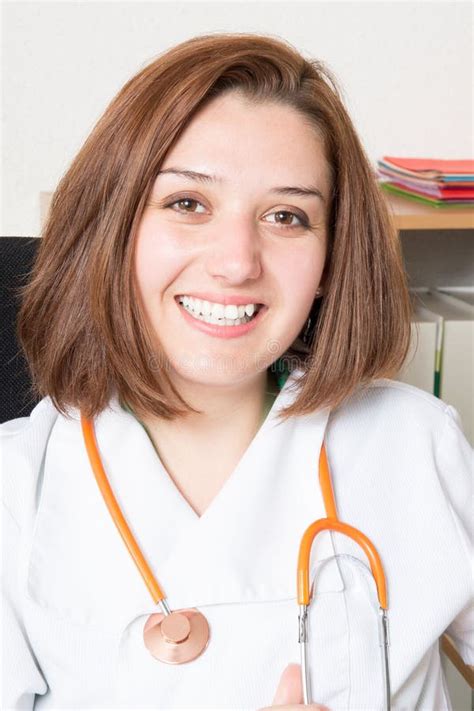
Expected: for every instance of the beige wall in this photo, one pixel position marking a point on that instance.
(404, 68)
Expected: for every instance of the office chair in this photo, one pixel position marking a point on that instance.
(17, 256)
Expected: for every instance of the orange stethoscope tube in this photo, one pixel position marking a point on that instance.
(114, 509)
(332, 523)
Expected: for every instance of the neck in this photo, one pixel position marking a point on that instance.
(201, 451)
(236, 412)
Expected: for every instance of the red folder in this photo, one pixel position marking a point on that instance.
(433, 165)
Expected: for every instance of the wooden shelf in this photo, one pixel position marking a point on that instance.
(466, 670)
(413, 215)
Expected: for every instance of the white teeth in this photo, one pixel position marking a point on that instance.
(219, 314)
(217, 310)
(220, 311)
(231, 311)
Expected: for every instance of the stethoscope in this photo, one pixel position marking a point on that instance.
(332, 523)
(179, 636)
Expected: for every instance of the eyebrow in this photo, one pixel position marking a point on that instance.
(298, 190)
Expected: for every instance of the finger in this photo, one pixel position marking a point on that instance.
(289, 690)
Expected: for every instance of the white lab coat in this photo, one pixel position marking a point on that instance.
(75, 604)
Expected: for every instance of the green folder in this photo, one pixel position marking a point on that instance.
(426, 200)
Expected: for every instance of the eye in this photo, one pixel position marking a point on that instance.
(303, 221)
(185, 201)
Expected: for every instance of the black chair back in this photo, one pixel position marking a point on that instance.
(17, 256)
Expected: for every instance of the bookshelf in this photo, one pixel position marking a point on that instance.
(413, 215)
(438, 250)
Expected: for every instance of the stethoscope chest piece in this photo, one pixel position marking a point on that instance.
(179, 637)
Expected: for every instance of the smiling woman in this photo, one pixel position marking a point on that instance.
(230, 157)
(216, 309)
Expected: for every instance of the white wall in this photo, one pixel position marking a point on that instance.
(404, 68)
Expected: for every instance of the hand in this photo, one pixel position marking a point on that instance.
(289, 694)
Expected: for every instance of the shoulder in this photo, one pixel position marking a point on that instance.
(21, 425)
(23, 444)
(393, 395)
(391, 431)
(392, 438)
(395, 411)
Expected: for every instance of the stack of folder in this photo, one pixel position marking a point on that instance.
(432, 181)
(441, 355)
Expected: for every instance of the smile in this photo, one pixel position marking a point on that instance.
(218, 320)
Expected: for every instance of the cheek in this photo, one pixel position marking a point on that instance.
(158, 260)
(300, 276)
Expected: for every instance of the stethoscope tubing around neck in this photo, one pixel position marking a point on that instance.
(330, 523)
(133, 548)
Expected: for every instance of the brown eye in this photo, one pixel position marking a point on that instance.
(285, 218)
(186, 202)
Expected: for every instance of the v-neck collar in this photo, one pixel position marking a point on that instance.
(244, 548)
(268, 420)
(251, 530)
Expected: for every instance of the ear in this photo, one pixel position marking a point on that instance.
(320, 291)
(322, 286)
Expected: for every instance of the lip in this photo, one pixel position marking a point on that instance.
(222, 331)
(223, 299)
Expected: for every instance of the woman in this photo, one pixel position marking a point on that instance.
(219, 289)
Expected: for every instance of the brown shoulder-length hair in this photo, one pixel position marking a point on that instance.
(81, 323)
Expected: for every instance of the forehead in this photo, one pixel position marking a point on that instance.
(232, 138)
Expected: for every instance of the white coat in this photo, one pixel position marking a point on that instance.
(75, 604)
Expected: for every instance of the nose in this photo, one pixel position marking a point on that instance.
(234, 254)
